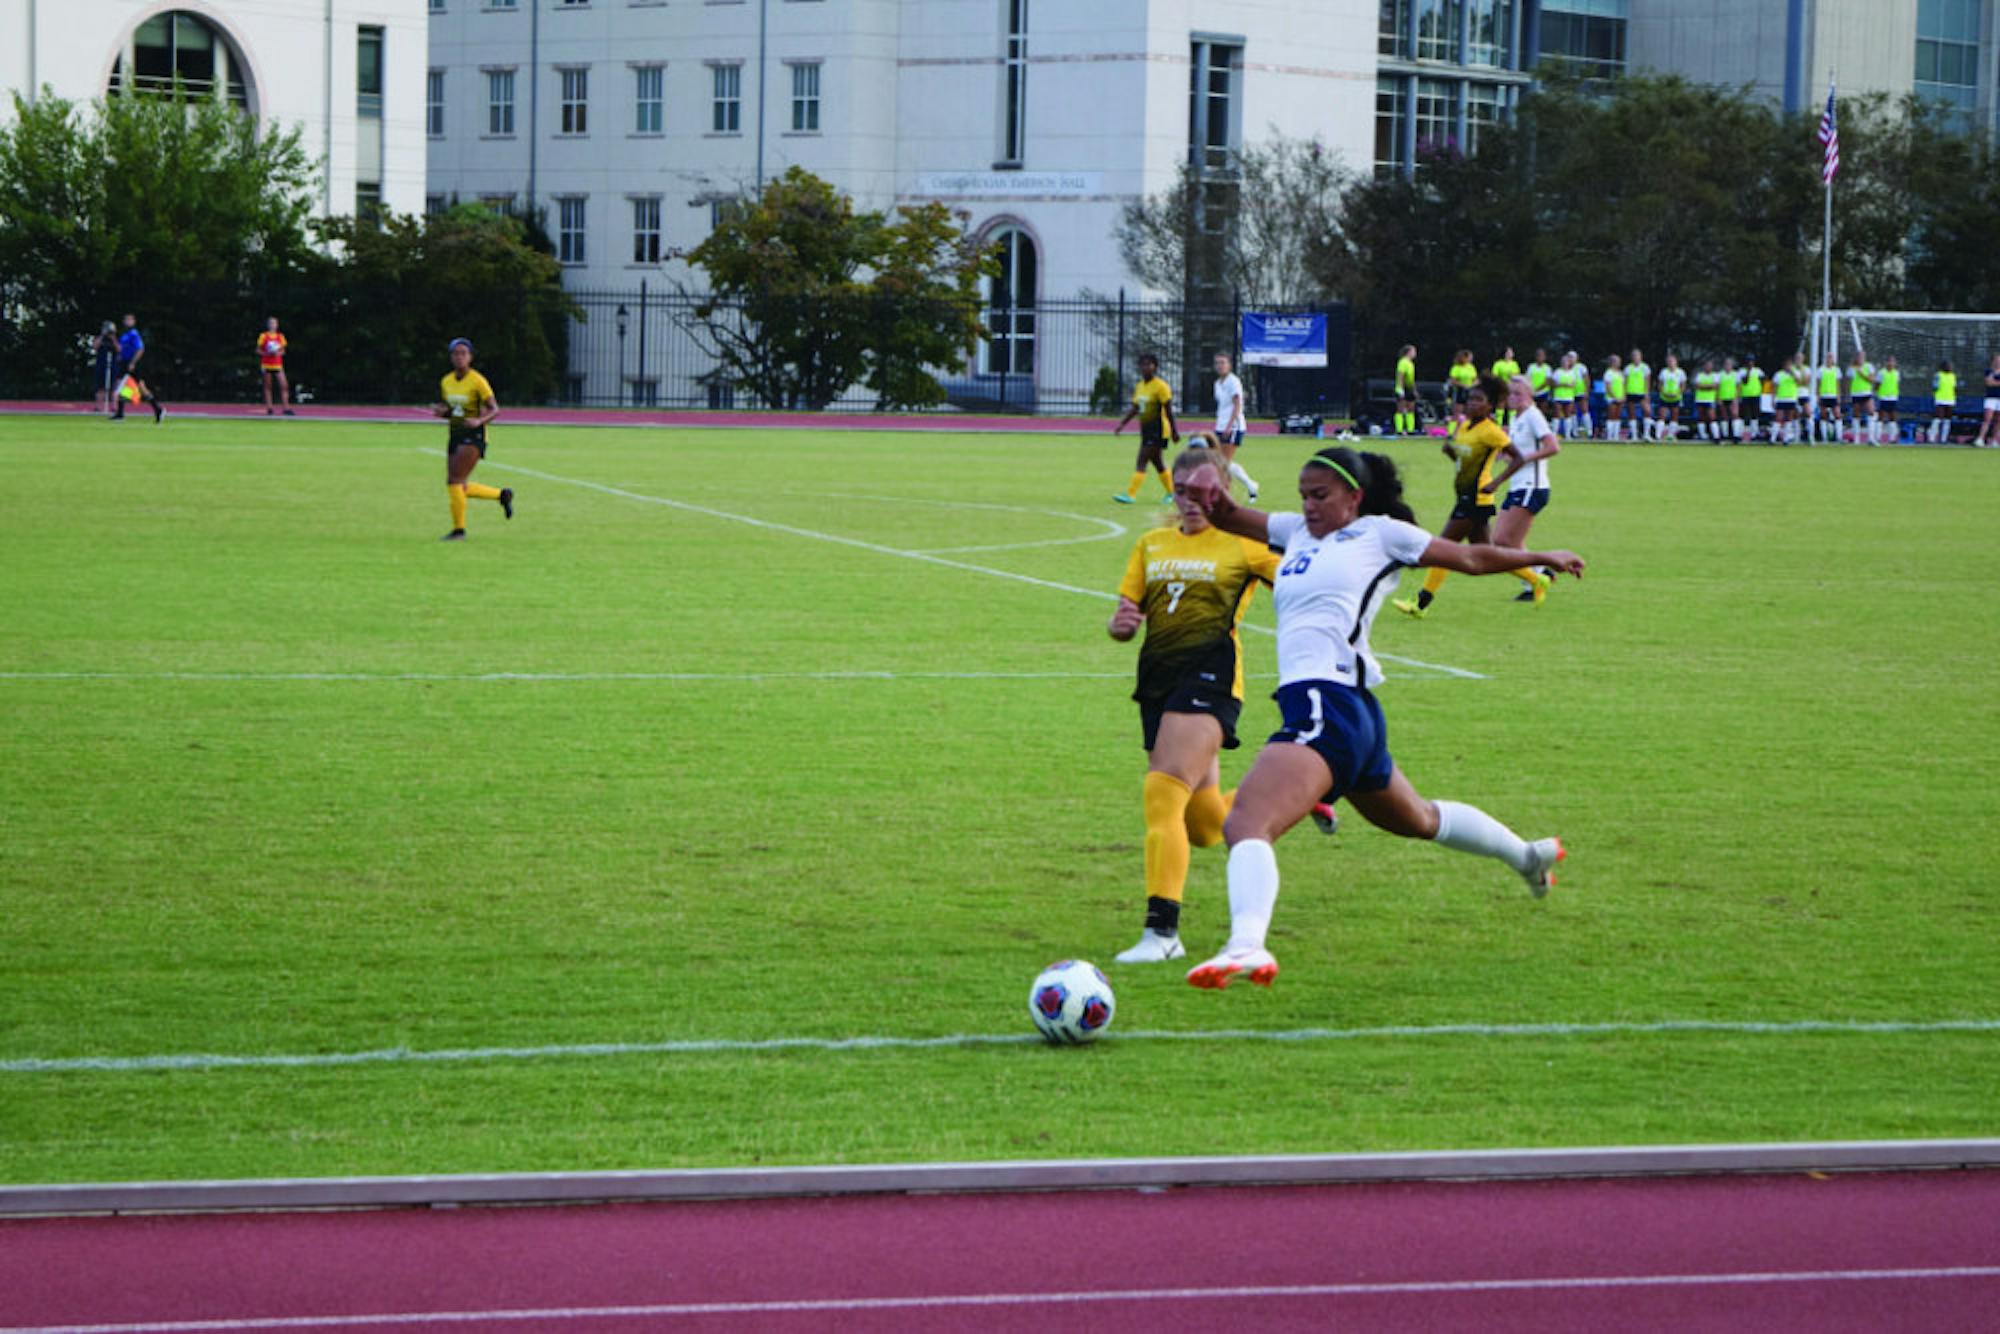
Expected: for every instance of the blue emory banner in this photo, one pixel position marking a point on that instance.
(1283, 340)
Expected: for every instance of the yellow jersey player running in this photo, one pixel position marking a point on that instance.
(1189, 585)
(467, 402)
(1474, 447)
(1153, 405)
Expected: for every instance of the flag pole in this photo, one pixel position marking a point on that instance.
(1826, 234)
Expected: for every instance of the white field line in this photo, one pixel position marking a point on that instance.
(881, 549)
(565, 676)
(961, 1301)
(29, 1065)
(1109, 529)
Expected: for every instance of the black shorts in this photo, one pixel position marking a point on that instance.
(1459, 393)
(1465, 505)
(1200, 681)
(476, 437)
(1152, 435)
(1218, 703)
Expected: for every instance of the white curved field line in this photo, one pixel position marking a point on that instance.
(882, 549)
(1110, 529)
(35, 1065)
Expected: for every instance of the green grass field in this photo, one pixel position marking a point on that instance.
(281, 774)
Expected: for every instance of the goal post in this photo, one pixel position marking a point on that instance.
(1919, 340)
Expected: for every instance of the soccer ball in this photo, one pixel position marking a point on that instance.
(1071, 1002)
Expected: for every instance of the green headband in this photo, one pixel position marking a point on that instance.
(1326, 460)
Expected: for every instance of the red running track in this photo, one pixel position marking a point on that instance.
(1849, 1252)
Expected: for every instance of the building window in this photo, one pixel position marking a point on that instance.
(1948, 56)
(183, 47)
(434, 206)
(646, 229)
(575, 101)
(805, 97)
(500, 101)
(1490, 38)
(368, 73)
(1485, 106)
(500, 204)
(1392, 36)
(1214, 103)
(1437, 118)
(434, 103)
(437, 6)
(569, 229)
(1592, 45)
(1437, 29)
(1010, 299)
(728, 118)
(1014, 122)
(1389, 126)
(649, 84)
(500, 4)
(645, 392)
(368, 203)
(721, 395)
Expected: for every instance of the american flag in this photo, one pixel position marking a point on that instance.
(1829, 134)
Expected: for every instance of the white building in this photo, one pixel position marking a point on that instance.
(348, 73)
(627, 119)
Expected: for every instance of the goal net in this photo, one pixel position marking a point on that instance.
(1918, 340)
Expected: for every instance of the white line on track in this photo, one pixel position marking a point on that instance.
(960, 1301)
(28, 1065)
(881, 549)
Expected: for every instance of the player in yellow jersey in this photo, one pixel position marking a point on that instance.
(466, 401)
(1474, 448)
(1406, 390)
(1153, 405)
(1459, 381)
(1189, 586)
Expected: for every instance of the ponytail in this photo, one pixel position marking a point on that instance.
(1373, 475)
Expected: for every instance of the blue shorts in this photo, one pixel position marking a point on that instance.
(1344, 727)
(1532, 501)
(1230, 438)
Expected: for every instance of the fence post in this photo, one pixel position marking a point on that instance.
(640, 379)
(1121, 347)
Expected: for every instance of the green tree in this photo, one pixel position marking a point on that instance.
(390, 295)
(137, 203)
(808, 295)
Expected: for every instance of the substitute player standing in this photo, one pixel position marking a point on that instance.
(1229, 420)
(1944, 402)
(467, 402)
(271, 366)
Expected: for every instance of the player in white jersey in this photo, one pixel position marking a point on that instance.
(1523, 472)
(1341, 555)
(1229, 424)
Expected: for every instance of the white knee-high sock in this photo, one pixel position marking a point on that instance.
(1465, 829)
(1236, 471)
(1253, 892)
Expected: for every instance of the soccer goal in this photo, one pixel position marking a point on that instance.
(1919, 341)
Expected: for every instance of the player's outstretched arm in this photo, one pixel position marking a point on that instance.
(1205, 484)
(1485, 558)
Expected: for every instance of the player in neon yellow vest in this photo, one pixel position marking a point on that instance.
(1785, 400)
(1888, 389)
(1639, 395)
(1826, 394)
(1707, 389)
(1944, 402)
(1861, 397)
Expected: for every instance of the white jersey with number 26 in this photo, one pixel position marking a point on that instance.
(1329, 589)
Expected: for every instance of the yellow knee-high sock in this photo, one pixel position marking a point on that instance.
(1527, 575)
(1166, 482)
(1435, 579)
(1206, 810)
(1166, 803)
(457, 494)
(478, 492)
(1138, 480)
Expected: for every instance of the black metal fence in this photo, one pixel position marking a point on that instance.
(646, 347)
(638, 347)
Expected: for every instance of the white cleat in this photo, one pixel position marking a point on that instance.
(1541, 875)
(1234, 962)
(1251, 487)
(1154, 948)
